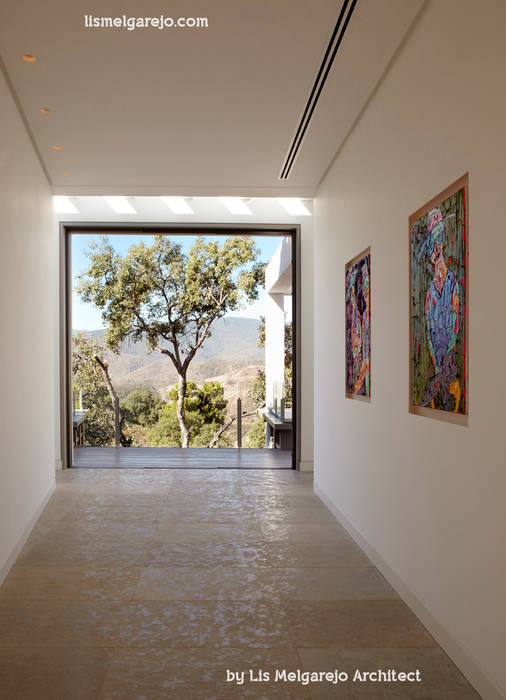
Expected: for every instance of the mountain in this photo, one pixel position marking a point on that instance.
(232, 346)
(232, 338)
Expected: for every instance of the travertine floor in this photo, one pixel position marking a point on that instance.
(150, 584)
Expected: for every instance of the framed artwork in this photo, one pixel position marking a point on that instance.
(438, 234)
(358, 326)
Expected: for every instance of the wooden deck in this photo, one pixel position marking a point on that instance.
(176, 458)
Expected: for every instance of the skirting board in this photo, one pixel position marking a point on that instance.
(470, 668)
(4, 570)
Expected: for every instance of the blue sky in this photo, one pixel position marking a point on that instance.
(87, 317)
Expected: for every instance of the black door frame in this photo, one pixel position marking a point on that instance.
(117, 228)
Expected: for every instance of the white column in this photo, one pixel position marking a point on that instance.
(274, 344)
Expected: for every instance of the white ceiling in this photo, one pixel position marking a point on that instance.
(193, 112)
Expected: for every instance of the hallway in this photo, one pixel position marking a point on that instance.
(150, 584)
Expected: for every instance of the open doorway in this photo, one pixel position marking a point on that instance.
(180, 347)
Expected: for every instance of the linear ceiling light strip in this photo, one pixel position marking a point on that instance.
(326, 65)
(315, 87)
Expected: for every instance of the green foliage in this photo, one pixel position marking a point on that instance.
(256, 434)
(205, 413)
(159, 292)
(87, 377)
(167, 297)
(261, 332)
(257, 390)
(166, 432)
(142, 407)
(288, 358)
(208, 401)
(288, 364)
(205, 434)
(148, 420)
(288, 345)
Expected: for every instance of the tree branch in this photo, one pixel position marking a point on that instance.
(164, 351)
(226, 426)
(198, 343)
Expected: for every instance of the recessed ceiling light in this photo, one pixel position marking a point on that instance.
(294, 206)
(63, 205)
(57, 148)
(65, 174)
(178, 205)
(235, 205)
(120, 205)
(45, 110)
(28, 58)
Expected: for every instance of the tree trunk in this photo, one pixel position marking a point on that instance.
(119, 438)
(181, 413)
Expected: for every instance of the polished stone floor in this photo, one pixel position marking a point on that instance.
(150, 584)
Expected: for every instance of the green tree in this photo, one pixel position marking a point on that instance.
(90, 375)
(166, 433)
(170, 298)
(208, 401)
(257, 390)
(205, 412)
(288, 364)
(142, 407)
(256, 434)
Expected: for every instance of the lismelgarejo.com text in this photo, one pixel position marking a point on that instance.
(131, 23)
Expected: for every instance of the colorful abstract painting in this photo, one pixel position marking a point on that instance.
(438, 250)
(358, 325)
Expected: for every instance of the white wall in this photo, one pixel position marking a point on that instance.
(274, 348)
(27, 336)
(427, 498)
(210, 210)
(278, 282)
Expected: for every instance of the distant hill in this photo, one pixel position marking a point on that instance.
(232, 338)
(232, 347)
